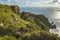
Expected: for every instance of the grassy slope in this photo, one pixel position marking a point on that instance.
(7, 17)
(29, 25)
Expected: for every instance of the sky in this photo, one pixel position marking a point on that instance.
(26, 3)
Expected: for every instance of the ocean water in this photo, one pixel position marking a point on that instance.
(47, 11)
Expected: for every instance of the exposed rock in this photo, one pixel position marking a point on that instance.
(15, 9)
(53, 26)
(1, 24)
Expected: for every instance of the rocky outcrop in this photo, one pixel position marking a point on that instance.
(15, 9)
(38, 19)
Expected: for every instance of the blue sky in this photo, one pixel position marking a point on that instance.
(25, 3)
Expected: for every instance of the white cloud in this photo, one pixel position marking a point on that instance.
(13, 0)
(38, 4)
(16, 0)
(58, 0)
(8, 0)
(33, 3)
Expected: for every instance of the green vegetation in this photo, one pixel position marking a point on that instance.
(23, 26)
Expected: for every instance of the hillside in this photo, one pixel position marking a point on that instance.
(39, 20)
(15, 25)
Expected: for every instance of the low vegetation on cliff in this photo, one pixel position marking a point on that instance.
(15, 25)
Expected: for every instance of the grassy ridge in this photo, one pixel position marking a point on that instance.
(23, 26)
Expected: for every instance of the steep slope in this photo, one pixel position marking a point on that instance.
(10, 19)
(40, 20)
(23, 26)
(9, 16)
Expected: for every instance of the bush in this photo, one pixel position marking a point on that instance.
(9, 38)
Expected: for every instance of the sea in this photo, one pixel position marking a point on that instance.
(38, 10)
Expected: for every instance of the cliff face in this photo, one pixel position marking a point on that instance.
(24, 26)
(15, 9)
(39, 20)
(9, 16)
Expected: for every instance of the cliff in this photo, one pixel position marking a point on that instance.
(23, 26)
(39, 19)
